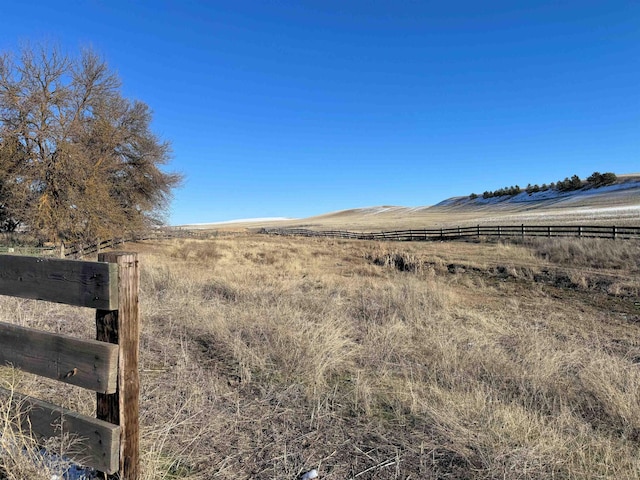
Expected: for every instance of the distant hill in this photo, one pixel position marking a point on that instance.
(613, 204)
(617, 204)
(233, 223)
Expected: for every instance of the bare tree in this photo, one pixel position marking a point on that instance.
(77, 160)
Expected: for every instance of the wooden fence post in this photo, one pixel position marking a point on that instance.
(614, 232)
(579, 231)
(122, 326)
(522, 230)
(478, 231)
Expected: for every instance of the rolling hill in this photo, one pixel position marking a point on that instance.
(613, 204)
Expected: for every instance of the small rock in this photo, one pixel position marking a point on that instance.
(309, 475)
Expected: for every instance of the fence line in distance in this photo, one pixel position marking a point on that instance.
(453, 233)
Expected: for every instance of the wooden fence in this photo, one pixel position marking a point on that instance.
(107, 365)
(591, 231)
(31, 251)
(80, 250)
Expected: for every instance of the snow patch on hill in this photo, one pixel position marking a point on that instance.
(623, 213)
(525, 197)
(230, 222)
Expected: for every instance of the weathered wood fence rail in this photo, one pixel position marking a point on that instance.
(78, 251)
(591, 231)
(107, 365)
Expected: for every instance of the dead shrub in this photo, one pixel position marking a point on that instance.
(401, 261)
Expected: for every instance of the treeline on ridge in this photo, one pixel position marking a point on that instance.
(595, 180)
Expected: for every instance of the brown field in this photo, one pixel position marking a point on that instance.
(265, 357)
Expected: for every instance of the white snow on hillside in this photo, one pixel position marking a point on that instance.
(452, 201)
(553, 194)
(379, 210)
(554, 197)
(630, 212)
(228, 222)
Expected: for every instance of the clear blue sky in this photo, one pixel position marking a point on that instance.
(296, 108)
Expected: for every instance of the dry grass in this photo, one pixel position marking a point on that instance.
(21, 456)
(266, 357)
(589, 252)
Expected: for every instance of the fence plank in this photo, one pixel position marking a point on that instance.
(83, 284)
(85, 363)
(122, 326)
(98, 441)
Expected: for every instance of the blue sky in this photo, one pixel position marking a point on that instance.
(297, 108)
